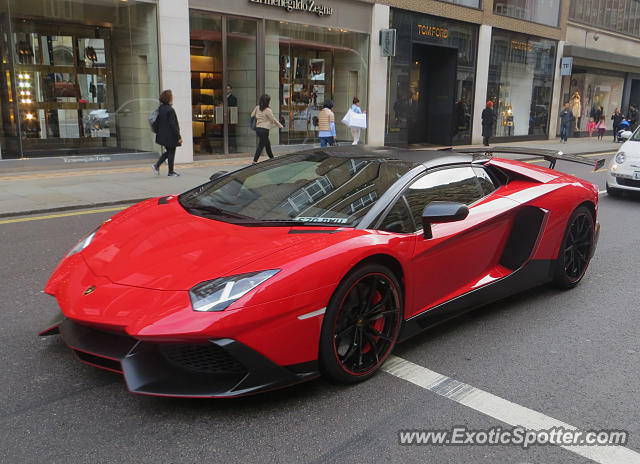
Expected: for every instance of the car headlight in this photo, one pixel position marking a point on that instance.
(620, 157)
(218, 294)
(82, 244)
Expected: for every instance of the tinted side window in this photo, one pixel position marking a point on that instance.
(455, 184)
(487, 184)
(398, 219)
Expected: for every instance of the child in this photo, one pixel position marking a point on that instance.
(602, 127)
(591, 126)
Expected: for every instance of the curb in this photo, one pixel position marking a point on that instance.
(71, 207)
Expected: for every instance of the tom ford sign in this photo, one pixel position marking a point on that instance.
(308, 6)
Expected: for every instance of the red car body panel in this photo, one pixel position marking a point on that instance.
(143, 261)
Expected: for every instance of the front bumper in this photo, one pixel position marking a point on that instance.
(623, 181)
(219, 368)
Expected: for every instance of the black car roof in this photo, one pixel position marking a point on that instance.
(428, 158)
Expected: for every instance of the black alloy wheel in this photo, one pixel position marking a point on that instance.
(576, 250)
(361, 324)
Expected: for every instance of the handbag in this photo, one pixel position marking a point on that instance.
(358, 120)
(253, 123)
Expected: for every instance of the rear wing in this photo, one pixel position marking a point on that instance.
(552, 156)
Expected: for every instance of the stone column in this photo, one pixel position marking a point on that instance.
(175, 67)
(556, 104)
(482, 81)
(377, 104)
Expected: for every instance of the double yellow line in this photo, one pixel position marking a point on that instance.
(61, 215)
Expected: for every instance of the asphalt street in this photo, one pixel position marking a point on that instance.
(570, 355)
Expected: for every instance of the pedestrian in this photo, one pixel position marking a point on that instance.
(167, 133)
(602, 127)
(488, 123)
(355, 131)
(633, 117)
(232, 102)
(265, 121)
(566, 116)
(591, 126)
(617, 118)
(327, 125)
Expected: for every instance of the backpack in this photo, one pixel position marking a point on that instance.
(153, 121)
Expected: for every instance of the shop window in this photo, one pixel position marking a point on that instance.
(520, 83)
(314, 65)
(85, 77)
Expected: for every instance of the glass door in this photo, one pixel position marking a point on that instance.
(223, 83)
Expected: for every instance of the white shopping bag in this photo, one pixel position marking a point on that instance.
(358, 120)
(347, 118)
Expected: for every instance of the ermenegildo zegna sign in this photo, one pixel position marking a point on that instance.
(308, 6)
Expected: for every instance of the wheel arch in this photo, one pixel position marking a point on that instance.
(591, 207)
(386, 260)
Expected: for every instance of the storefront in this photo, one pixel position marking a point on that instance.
(77, 77)
(300, 58)
(591, 93)
(430, 90)
(520, 84)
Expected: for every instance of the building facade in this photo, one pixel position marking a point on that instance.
(602, 49)
(82, 76)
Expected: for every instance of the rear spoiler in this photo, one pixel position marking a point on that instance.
(549, 155)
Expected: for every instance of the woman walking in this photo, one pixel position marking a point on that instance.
(327, 125)
(167, 133)
(355, 131)
(265, 121)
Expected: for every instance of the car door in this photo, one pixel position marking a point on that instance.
(461, 255)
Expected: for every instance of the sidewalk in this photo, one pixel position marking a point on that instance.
(43, 186)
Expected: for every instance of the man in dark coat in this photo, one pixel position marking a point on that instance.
(488, 123)
(167, 133)
(232, 102)
(633, 117)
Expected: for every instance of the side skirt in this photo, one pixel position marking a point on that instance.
(533, 274)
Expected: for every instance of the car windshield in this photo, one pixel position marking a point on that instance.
(636, 135)
(304, 188)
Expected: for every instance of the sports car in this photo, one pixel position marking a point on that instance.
(623, 173)
(312, 263)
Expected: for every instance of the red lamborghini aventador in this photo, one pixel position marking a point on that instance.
(313, 263)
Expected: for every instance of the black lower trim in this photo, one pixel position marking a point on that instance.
(214, 369)
(531, 275)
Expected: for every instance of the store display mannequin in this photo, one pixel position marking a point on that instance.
(576, 107)
(507, 120)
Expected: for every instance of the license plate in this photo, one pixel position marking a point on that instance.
(636, 175)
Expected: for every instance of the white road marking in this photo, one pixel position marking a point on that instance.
(501, 409)
(312, 314)
(602, 192)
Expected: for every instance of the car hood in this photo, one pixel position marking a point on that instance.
(160, 246)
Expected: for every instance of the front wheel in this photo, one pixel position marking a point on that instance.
(576, 249)
(361, 324)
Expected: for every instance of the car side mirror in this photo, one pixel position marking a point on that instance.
(625, 135)
(218, 174)
(442, 211)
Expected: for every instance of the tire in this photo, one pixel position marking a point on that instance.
(612, 192)
(576, 249)
(361, 324)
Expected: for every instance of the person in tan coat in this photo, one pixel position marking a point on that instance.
(265, 121)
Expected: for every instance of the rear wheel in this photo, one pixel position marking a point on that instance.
(576, 249)
(361, 324)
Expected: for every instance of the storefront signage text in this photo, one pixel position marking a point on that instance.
(521, 45)
(433, 31)
(308, 6)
